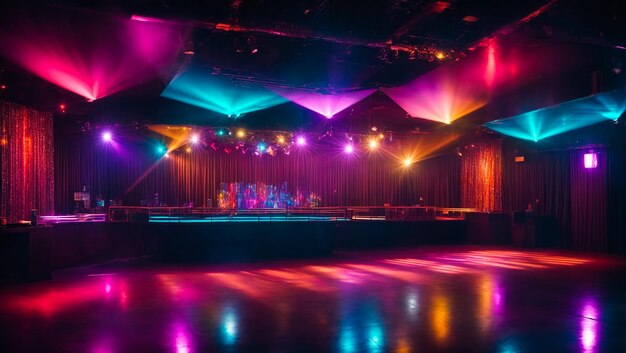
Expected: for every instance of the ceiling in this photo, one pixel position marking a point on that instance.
(326, 45)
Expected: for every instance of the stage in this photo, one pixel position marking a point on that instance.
(176, 234)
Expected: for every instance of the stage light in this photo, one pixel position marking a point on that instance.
(349, 148)
(549, 121)
(253, 46)
(590, 160)
(440, 55)
(327, 105)
(161, 149)
(70, 59)
(107, 136)
(281, 139)
(301, 141)
(219, 93)
(195, 139)
(167, 155)
(374, 128)
(220, 132)
(407, 162)
(241, 133)
(3, 87)
(373, 143)
(261, 147)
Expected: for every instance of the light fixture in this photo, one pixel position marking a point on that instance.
(590, 160)
(107, 136)
(252, 44)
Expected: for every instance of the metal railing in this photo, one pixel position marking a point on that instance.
(352, 213)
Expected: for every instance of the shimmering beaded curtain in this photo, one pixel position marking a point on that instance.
(26, 161)
(481, 176)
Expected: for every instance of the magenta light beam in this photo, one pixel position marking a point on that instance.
(106, 56)
(325, 104)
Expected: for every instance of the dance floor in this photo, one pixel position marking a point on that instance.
(452, 299)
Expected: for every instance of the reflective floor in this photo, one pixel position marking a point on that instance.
(424, 300)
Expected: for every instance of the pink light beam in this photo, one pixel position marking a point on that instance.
(106, 56)
(324, 104)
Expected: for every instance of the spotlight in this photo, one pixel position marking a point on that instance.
(373, 143)
(407, 162)
(374, 128)
(281, 139)
(261, 147)
(3, 87)
(220, 132)
(301, 141)
(253, 46)
(167, 155)
(195, 139)
(440, 55)
(241, 133)
(188, 150)
(161, 149)
(188, 50)
(107, 136)
(349, 148)
(62, 107)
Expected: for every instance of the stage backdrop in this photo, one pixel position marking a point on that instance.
(26, 160)
(132, 172)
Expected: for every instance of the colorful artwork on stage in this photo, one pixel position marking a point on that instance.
(260, 195)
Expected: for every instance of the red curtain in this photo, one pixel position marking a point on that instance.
(339, 180)
(481, 176)
(26, 160)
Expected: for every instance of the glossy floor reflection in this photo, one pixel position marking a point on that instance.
(423, 300)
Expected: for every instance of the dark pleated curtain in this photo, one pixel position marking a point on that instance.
(589, 201)
(26, 162)
(558, 185)
(131, 173)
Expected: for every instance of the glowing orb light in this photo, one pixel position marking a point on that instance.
(107, 136)
(241, 133)
(373, 143)
(545, 122)
(301, 141)
(195, 139)
(261, 147)
(325, 104)
(161, 149)
(407, 162)
(349, 148)
(280, 139)
(219, 94)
